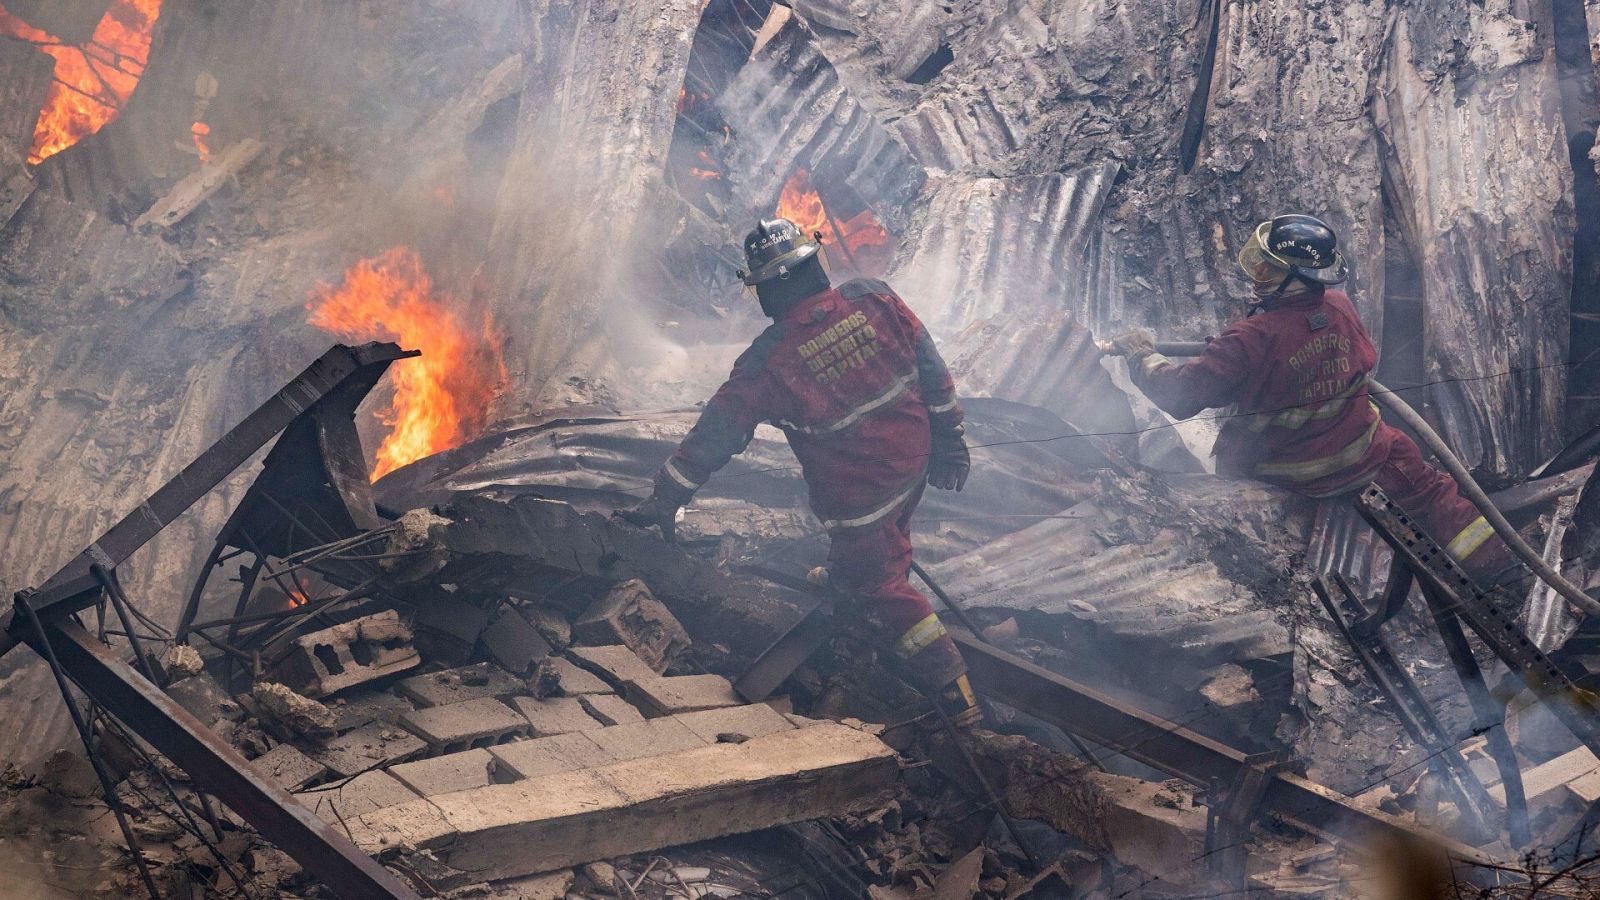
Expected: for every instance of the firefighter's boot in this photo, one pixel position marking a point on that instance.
(959, 703)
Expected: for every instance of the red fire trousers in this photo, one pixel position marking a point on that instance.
(872, 562)
(1449, 518)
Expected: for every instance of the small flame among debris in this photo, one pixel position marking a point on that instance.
(867, 246)
(440, 400)
(92, 81)
(201, 131)
(297, 599)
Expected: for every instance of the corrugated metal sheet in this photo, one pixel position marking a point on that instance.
(601, 460)
(1139, 586)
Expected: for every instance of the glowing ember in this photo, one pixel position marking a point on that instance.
(297, 599)
(92, 81)
(705, 174)
(866, 244)
(440, 400)
(201, 131)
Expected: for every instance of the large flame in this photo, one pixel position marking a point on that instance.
(440, 400)
(92, 81)
(866, 245)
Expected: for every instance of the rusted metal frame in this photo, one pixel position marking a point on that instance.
(44, 645)
(1488, 714)
(208, 469)
(1230, 811)
(271, 573)
(1459, 598)
(1455, 598)
(1406, 700)
(355, 593)
(247, 588)
(191, 606)
(1166, 745)
(307, 612)
(120, 604)
(1395, 593)
(143, 708)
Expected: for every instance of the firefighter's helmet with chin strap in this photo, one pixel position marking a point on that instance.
(774, 248)
(1292, 247)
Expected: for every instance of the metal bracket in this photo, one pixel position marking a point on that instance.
(319, 404)
(1232, 808)
(1405, 699)
(1456, 597)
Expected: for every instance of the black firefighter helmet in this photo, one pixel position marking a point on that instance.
(774, 248)
(1299, 245)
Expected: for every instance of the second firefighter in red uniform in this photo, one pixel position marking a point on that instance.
(1296, 373)
(852, 378)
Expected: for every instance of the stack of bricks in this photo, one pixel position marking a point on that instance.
(464, 765)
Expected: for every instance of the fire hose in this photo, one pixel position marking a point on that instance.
(1452, 463)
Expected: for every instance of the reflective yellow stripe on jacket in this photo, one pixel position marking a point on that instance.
(1322, 466)
(1300, 415)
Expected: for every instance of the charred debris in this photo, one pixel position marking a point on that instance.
(310, 651)
(505, 692)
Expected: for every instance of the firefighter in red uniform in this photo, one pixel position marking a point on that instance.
(852, 378)
(1296, 372)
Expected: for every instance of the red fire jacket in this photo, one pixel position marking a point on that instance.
(1296, 377)
(853, 379)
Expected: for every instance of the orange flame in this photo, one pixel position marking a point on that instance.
(201, 131)
(297, 599)
(92, 81)
(440, 400)
(868, 246)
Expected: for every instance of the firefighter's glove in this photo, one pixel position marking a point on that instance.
(950, 461)
(1134, 344)
(656, 511)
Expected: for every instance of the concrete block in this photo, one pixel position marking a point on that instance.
(552, 624)
(456, 685)
(667, 695)
(371, 745)
(446, 774)
(610, 709)
(576, 681)
(204, 699)
(559, 820)
(555, 715)
(734, 723)
(362, 708)
(325, 662)
(652, 737)
(459, 726)
(448, 628)
(293, 713)
(616, 664)
(367, 792)
(513, 643)
(631, 615)
(547, 756)
(288, 768)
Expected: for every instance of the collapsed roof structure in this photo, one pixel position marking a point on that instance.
(465, 678)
